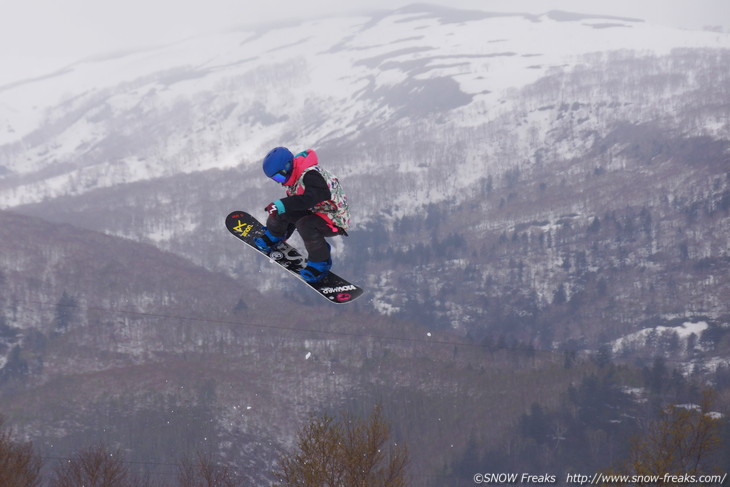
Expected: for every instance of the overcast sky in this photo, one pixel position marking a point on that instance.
(38, 36)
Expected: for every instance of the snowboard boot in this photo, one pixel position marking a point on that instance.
(267, 242)
(316, 271)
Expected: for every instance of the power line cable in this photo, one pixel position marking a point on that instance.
(343, 333)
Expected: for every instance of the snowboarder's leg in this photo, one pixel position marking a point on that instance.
(277, 229)
(278, 225)
(313, 231)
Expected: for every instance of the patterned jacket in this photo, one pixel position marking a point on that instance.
(334, 209)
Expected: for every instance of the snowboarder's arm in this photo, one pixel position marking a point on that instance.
(315, 191)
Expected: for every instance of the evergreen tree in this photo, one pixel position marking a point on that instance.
(66, 310)
(560, 296)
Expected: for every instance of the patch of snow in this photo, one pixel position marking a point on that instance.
(684, 331)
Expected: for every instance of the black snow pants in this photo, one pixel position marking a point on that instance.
(311, 228)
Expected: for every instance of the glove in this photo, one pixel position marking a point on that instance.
(275, 208)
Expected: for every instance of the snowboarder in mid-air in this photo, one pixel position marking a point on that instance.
(315, 205)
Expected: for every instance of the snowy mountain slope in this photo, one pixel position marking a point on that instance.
(107, 340)
(220, 101)
(680, 334)
(528, 195)
(500, 184)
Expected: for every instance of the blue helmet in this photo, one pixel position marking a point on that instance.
(278, 164)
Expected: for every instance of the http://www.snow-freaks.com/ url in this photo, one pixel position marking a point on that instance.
(597, 479)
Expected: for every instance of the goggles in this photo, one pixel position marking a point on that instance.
(280, 177)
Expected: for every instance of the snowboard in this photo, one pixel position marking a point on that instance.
(332, 287)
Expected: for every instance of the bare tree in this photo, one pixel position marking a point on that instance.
(348, 452)
(93, 467)
(682, 441)
(19, 464)
(205, 473)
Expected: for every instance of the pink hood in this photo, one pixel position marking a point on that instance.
(302, 161)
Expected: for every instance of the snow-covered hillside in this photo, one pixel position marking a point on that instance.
(532, 197)
(547, 177)
(222, 100)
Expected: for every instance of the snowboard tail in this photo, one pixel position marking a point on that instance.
(332, 287)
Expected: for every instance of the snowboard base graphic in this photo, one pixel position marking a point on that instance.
(332, 287)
